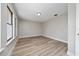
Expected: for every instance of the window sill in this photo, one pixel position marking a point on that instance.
(1, 49)
(9, 42)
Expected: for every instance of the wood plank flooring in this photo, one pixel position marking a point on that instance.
(39, 46)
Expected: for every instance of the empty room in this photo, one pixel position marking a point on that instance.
(38, 29)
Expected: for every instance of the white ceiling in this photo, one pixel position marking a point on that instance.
(28, 11)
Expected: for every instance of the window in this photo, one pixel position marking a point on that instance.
(9, 24)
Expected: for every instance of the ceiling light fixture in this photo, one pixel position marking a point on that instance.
(38, 13)
(55, 14)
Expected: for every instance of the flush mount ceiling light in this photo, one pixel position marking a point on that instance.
(55, 14)
(38, 13)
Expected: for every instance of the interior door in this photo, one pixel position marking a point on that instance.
(77, 29)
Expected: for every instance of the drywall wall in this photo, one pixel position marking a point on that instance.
(3, 25)
(56, 28)
(71, 28)
(77, 31)
(0, 25)
(29, 28)
(4, 44)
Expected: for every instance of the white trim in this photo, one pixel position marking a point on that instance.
(55, 38)
(0, 27)
(1, 49)
(70, 53)
(9, 42)
(10, 53)
(29, 36)
(44, 36)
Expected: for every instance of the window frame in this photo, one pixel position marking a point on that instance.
(15, 27)
(11, 23)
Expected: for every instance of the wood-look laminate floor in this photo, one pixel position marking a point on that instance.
(39, 46)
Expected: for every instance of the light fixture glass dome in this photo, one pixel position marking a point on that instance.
(38, 13)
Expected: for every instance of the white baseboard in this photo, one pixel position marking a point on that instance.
(70, 53)
(44, 36)
(1, 49)
(29, 36)
(55, 38)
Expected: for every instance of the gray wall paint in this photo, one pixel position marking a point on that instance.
(77, 31)
(71, 28)
(57, 28)
(29, 28)
(3, 25)
(7, 48)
